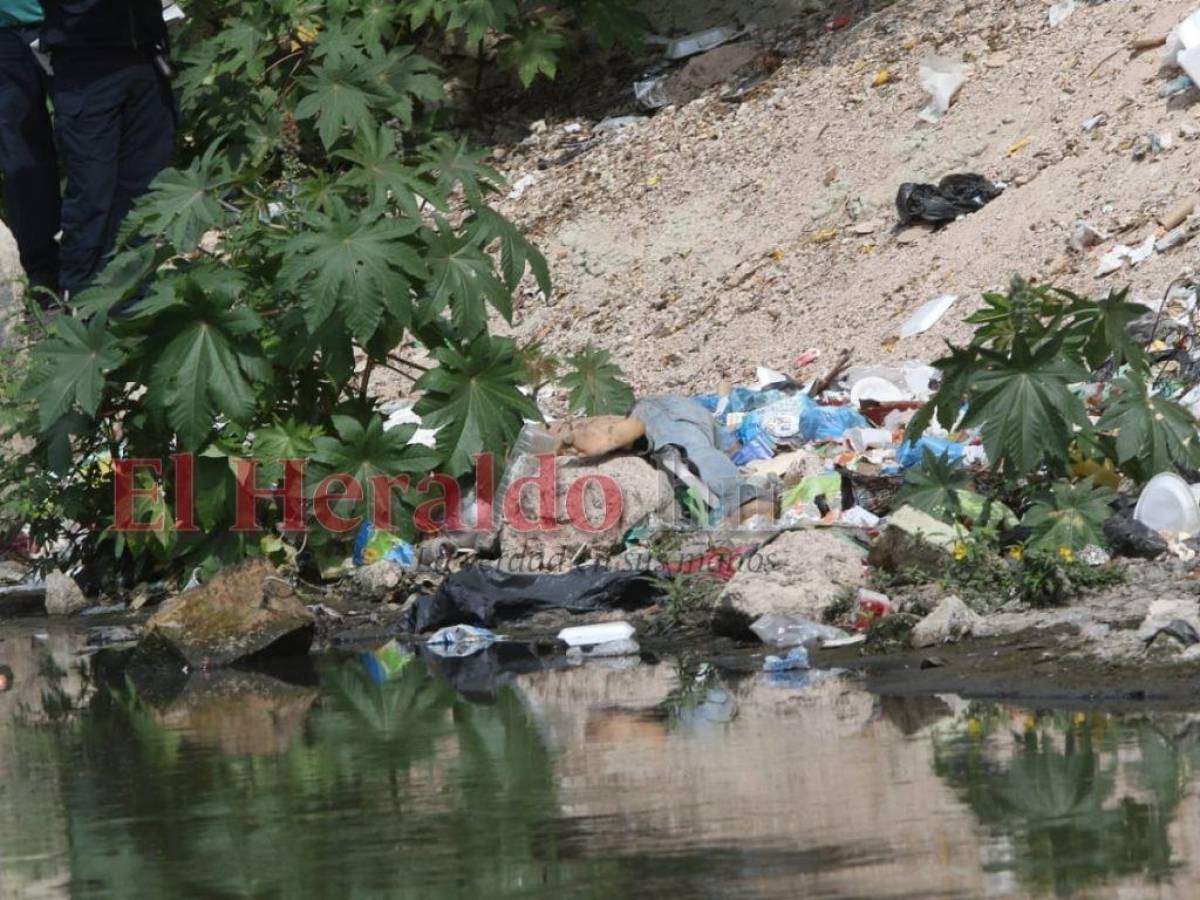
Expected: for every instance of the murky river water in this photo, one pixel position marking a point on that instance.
(381, 776)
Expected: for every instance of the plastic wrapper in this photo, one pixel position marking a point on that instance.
(829, 423)
(914, 454)
(941, 77)
(374, 546)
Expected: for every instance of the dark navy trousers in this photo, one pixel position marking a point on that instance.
(28, 161)
(115, 118)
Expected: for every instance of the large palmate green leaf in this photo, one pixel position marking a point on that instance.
(340, 98)
(1152, 434)
(356, 266)
(380, 169)
(202, 378)
(378, 21)
(207, 363)
(595, 385)
(401, 77)
(121, 279)
(338, 41)
(478, 17)
(284, 440)
(473, 398)
(1069, 515)
(239, 43)
(69, 368)
(533, 51)
(364, 451)
(946, 404)
(935, 487)
(1023, 406)
(453, 165)
(462, 277)
(1102, 327)
(516, 251)
(184, 204)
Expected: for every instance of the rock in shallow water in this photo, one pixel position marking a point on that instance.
(246, 611)
(63, 596)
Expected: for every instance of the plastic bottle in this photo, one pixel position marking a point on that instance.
(532, 442)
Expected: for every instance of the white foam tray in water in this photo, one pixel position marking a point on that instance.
(588, 635)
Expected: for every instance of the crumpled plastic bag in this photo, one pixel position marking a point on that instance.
(460, 640)
(955, 195)
(1130, 538)
(941, 77)
(829, 423)
(778, 630)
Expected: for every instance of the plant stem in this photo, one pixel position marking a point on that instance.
(399, 371)
(405, 362)
(366, 379)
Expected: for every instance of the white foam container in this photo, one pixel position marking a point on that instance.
(589, 635)
(1168, 503)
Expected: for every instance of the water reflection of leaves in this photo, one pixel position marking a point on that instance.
(409, 702)
(403, 788)
(1065, 797)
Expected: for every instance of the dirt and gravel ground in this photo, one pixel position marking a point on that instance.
(712, 238)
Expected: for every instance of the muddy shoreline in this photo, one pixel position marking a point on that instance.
(1050, 666)
(1031, 666)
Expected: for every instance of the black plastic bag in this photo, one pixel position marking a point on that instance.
(483, 595)
(953, 196)
(1130, 538)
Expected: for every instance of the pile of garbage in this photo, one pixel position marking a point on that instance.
(754, 466)
(693, 63)
(789, 463)
(809, 470)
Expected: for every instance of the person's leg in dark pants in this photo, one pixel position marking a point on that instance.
(147, 142)
(28, 161)
(87, 116)
(117, 127)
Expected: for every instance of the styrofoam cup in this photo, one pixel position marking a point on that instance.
(863, 439)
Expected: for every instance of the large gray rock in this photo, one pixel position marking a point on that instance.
(13, 572)
(63, 596)
(377, 582)
(950, 621)
(643, 490)
(799, 573)
(244, 611)
(11, 276)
